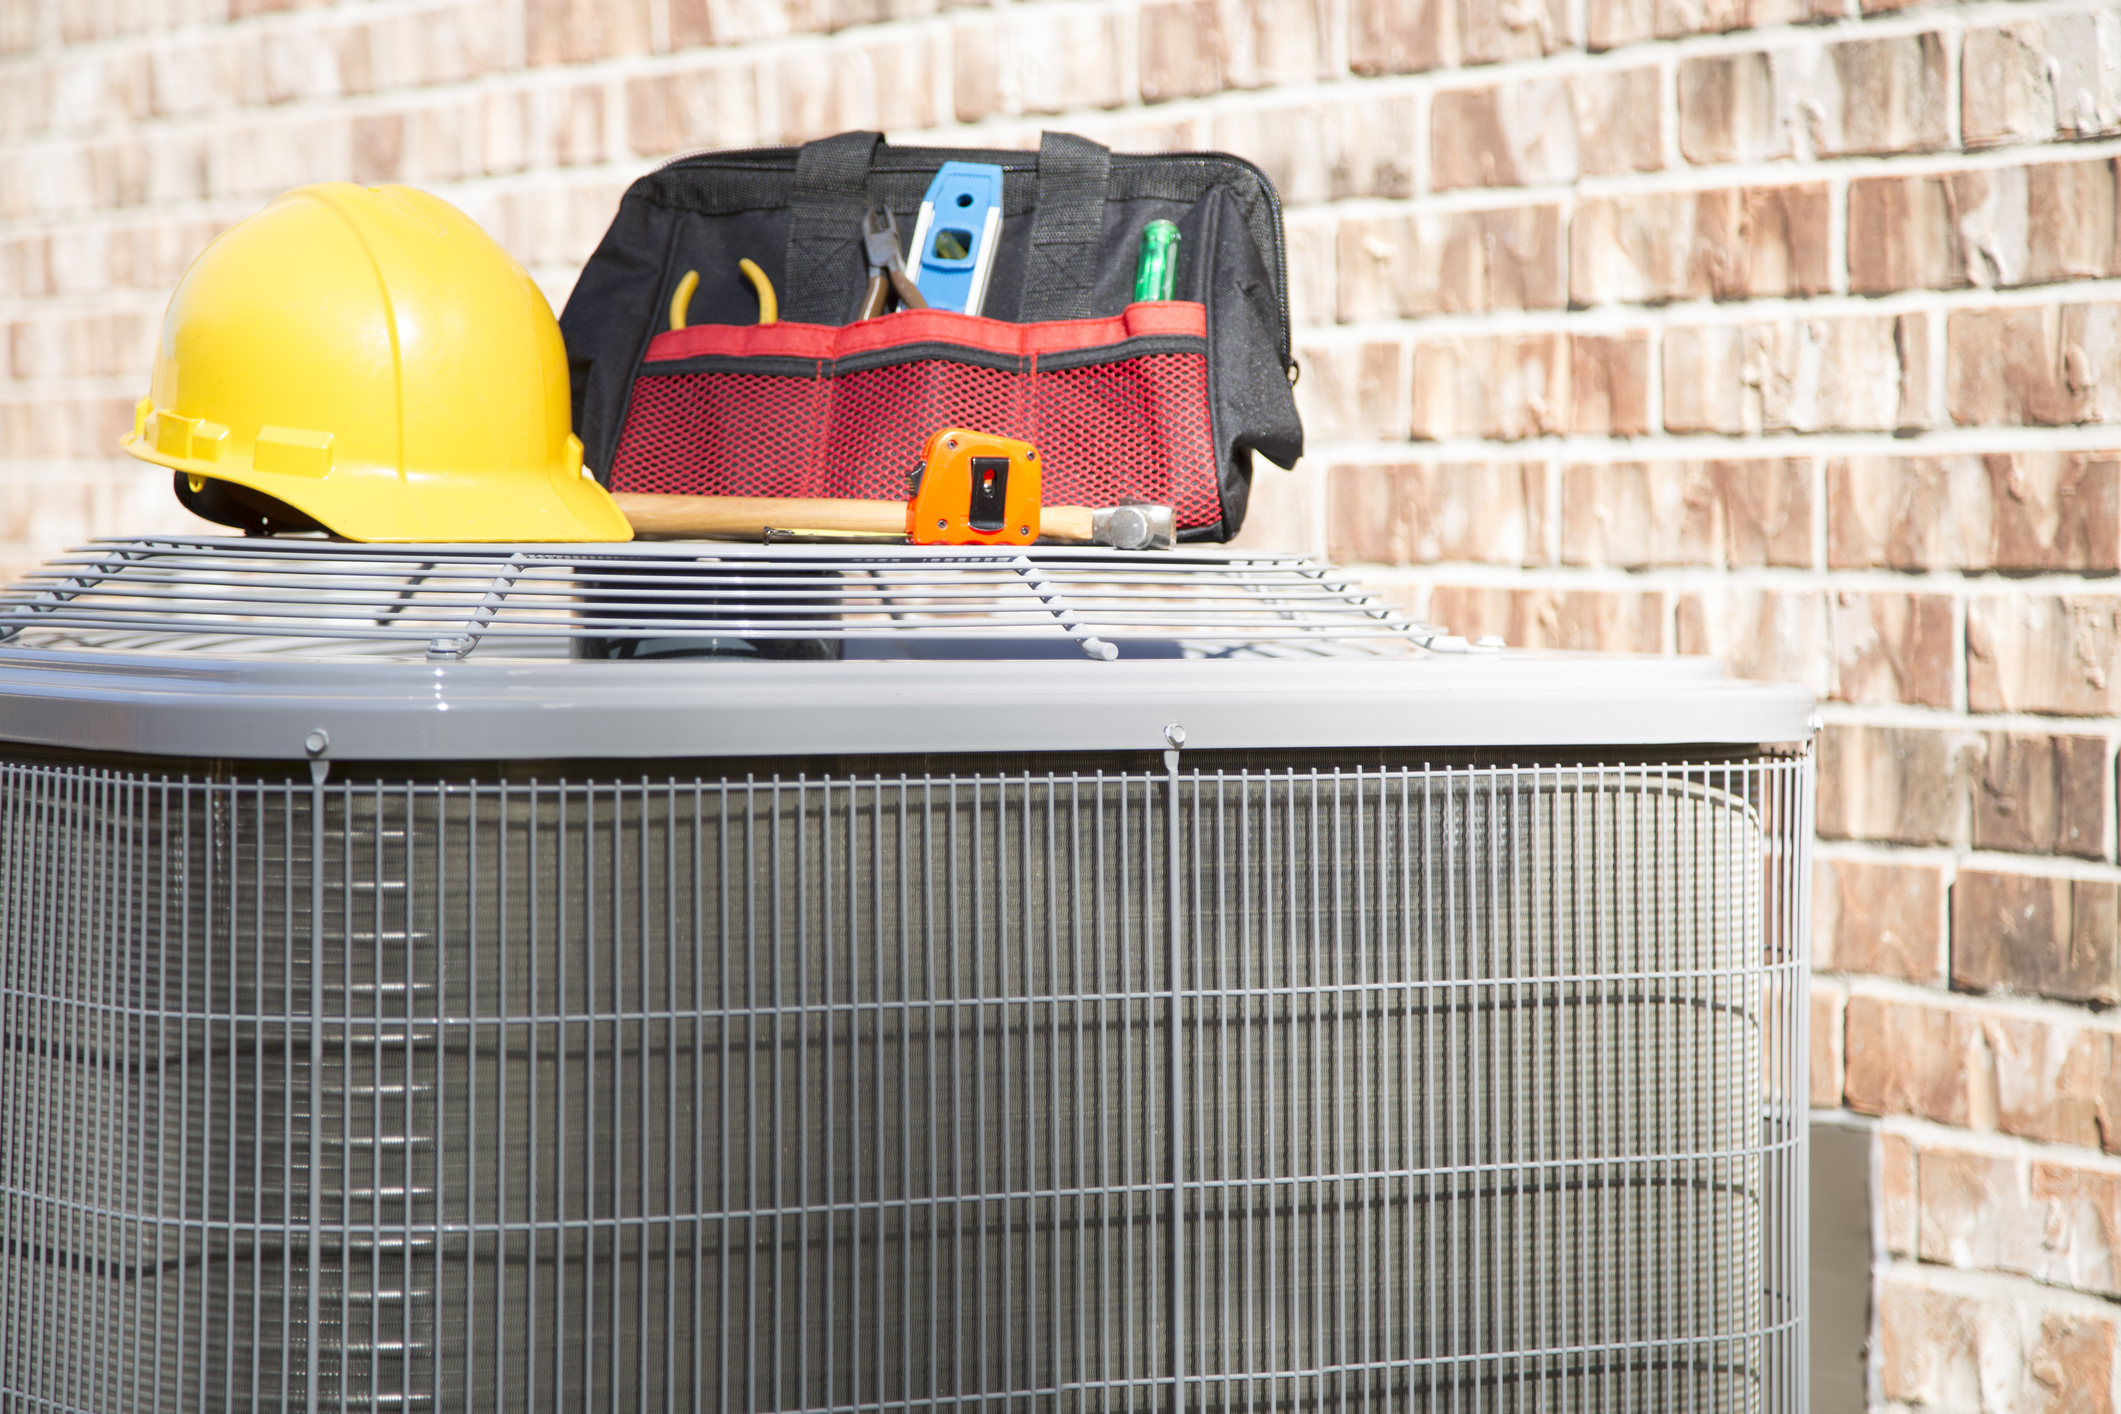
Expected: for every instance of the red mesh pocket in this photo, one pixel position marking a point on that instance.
(698, 434)
(1132, 430)
(1133, 427)
(881, 418)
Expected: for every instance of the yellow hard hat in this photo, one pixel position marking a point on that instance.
(367, 360)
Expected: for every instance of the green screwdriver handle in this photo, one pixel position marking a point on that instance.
(1156, 273)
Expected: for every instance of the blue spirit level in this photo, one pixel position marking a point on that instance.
(954, 240)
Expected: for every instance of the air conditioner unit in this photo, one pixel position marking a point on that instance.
(838, 979)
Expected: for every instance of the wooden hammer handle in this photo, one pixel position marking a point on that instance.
(1069, 524)
(747, 517)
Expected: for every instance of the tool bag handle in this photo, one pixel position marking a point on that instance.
(1068, 230)
(825, 272)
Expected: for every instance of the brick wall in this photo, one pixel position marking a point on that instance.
(1762, 328)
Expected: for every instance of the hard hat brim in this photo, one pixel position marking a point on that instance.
(565, 509)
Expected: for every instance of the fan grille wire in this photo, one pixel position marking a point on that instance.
(1433, 1087)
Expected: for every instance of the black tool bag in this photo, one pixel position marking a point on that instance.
(1160, 401)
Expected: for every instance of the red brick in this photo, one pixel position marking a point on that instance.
(1991, 224)
(1542, 131)
(26, 267)
(1314, 273)
(1619, 121)
(567, 126)
(2003, 511)
(1705, 379)
(2081, 1234)
(434, 144)
(1354, 392)
(2030, 933)
(1585, 619)
(2042, 794)
(1280, 518)
(975, 67)
(1637, 514)
(2087, 85)
(18, 30)
(1732, 244)
(1967, 1350)
(1609, 385)
(1893, 648)
(1507, 386)
(1266, 42)
(1897, 1201)
(1318, 151)
(1486, 513)
(1904, 785)
(2006, 94)
(2056, 1221)
(2058, 654)
(1489, 33)
(1181, 45)
(701, 108)
(1805, 375)
(1828, 374)
(1400, 36)
(1918, 405)
(1633, 514)
(1972, 1208)
(1372, 147)
(1760, 634)
(1617, 22)
(885, 84)
(118, 173)
(1824, 1064)
(1767, 510)
(2070, 218)
(1450, 262)
(1065, 58)
(26, 103)
(378, 146)
(844, 14)
(2047, 365)
(1883, 919)
(1884, 95)
(574, 31)
(691, 24)
(1728, 110)
(2059, 511)
(1902, 235)
(2051, 1079)
(505, 124)
(2001, 226)
(1521, 134)
(1913, 1058)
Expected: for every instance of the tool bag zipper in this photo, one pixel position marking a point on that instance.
(783, 159)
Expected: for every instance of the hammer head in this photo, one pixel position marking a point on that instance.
(1134, 527)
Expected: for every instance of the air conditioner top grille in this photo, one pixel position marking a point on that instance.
(304, 648)
(316, 597)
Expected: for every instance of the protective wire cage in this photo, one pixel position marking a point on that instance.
(228, 595)
(1443, 1082)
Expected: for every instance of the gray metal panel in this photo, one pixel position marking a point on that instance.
(196, 706)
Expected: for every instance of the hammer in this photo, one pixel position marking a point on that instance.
(749, 518)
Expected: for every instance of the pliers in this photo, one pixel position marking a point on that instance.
(887, 270)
